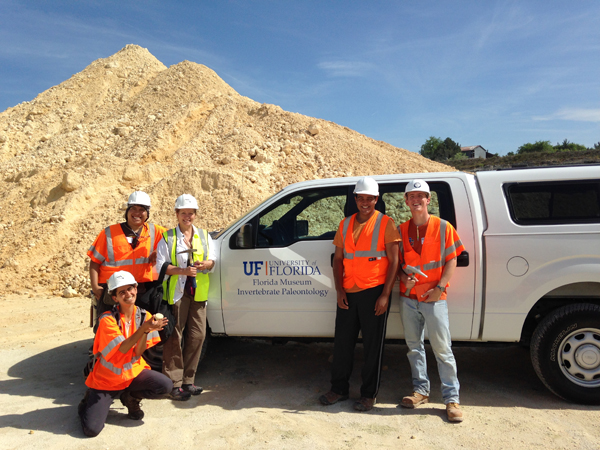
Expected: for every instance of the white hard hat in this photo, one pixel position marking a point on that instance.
(120, 278)
(139, 198)
(186, 201)
(367, 185)
(417, 186)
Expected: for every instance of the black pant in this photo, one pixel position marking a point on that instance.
(147, 384)
(360, 316)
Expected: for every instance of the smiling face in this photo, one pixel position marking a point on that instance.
(125, 295)
(366, 205)
(185, 217)
(136, 216)
(417, 202)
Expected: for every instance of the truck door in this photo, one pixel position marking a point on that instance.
(283, 285)
(449, 202)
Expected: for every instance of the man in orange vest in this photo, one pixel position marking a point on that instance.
(431, 245)
(129, 246)
(364, 270)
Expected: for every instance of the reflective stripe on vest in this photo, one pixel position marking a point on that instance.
(116, 370)
(138, 320)
(372, 253)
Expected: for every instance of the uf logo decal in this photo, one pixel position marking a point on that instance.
(252, 266)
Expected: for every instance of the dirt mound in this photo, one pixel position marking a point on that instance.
(70, 157)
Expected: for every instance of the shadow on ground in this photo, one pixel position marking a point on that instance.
(245, 373)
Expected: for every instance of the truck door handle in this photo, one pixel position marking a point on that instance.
(332, 259)
(463, 259)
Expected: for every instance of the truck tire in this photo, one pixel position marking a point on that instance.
(154, 355)
(565, 352)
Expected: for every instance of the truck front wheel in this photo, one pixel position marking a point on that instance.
(565, 352)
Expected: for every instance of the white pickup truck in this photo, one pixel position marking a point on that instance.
(530, 273)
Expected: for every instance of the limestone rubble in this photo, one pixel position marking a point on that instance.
(70, 157)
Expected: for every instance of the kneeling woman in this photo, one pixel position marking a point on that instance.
(191, 256)
(120, 371)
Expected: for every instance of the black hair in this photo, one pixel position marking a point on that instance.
(145, 207)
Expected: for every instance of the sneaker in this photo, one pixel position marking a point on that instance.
(364, 404)
(414, 400)
(192, 389)
(454, 413)
(179, 394)
(134, 411)
(331, 398)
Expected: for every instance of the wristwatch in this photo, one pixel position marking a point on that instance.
(441, 288)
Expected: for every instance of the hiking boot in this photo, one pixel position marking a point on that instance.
(179, 395)
(192, 389)
(134, 411)
(414, 400)
(364, 404)
(454, 413)
(331, 398)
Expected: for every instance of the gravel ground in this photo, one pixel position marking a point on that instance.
(259, 395)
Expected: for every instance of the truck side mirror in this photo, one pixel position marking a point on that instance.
(301, 228)
(463, 259)
(243, 238)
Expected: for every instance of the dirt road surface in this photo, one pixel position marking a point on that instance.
(264, 396)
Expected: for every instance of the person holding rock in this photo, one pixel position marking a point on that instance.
(364, 271)
(191, 256)
(431, 245)
(124, 333)
(129, 246)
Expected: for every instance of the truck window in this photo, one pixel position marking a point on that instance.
(396, 207)
(309, 215)
(550, 203)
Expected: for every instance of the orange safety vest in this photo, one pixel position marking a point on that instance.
(441, 244)
(112, 251)
(114, 370)
(365, 262)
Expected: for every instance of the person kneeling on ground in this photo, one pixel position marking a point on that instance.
(124, 333)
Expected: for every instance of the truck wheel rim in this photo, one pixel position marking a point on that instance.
(579, 355)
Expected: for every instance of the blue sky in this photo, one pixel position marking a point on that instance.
(494, 73)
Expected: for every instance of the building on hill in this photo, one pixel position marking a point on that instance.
(476, 151)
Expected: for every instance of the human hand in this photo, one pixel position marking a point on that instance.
(342, 300)
(98, 291)
(152, 257)
(410, 282)
(381, 305)
(432, 295)
(190, 271)
(154, 324)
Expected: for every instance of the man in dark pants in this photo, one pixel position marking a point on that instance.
(364, 270)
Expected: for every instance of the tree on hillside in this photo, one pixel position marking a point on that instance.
(538, 146)
(429, 148)
(437, 150)
(567, 146)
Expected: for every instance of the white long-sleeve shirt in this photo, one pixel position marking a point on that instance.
(163, 256)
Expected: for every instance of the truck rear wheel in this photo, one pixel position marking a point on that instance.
(565, 352)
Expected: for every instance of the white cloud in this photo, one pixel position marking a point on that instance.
(573, 114)
(342, 68)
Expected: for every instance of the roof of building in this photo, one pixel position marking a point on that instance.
(472, 147)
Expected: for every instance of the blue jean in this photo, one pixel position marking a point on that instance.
(415, 315)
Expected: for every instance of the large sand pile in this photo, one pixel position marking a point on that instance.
(70, 157)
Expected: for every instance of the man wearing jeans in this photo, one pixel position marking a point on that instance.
(430, 245)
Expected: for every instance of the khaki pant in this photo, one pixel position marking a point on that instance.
(180, 364)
